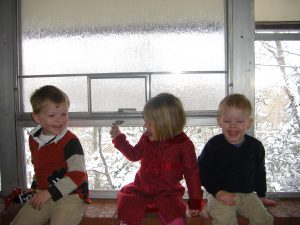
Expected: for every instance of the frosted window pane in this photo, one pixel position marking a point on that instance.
(197, 91)
(277, 88)
(190, 37)
(125, 52)
(112, 94)
(74, 87)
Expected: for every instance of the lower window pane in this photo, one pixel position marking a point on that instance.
(107, 168)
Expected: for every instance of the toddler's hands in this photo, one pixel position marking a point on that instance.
(194, 212)
(225, 198)
(39, 198)
(114, 131)
(268, 202)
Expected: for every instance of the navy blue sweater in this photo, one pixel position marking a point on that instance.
(224, 166)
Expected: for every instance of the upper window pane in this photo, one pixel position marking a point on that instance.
(121, 36)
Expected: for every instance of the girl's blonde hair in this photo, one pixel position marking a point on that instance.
(235, 100)
(166, 113)
(47, 93)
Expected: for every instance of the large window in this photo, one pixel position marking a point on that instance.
(110, 57)
(277, 98)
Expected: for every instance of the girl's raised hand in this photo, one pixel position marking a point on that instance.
(114, 131)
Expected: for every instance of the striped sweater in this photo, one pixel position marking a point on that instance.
(59, 165)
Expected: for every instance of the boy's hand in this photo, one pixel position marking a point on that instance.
(115, 131)
(39, 198)
(268, 202)
(225, 198)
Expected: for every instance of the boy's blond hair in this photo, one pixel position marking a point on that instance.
(46, 93)
(235, 100)
(166, 113)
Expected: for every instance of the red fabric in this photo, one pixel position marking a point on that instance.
(163, 166)
(51, 158)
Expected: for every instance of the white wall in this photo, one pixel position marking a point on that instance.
(277, 10)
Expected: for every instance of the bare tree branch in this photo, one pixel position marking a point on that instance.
(278, 54)
(104, 161)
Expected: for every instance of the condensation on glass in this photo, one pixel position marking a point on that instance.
(121, 36)
(277, 97)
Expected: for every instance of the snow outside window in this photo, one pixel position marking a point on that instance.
(277, 115)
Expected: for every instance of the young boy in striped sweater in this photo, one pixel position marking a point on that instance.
(60, 183)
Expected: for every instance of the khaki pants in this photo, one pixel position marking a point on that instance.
(247, 205)
(66, 211)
